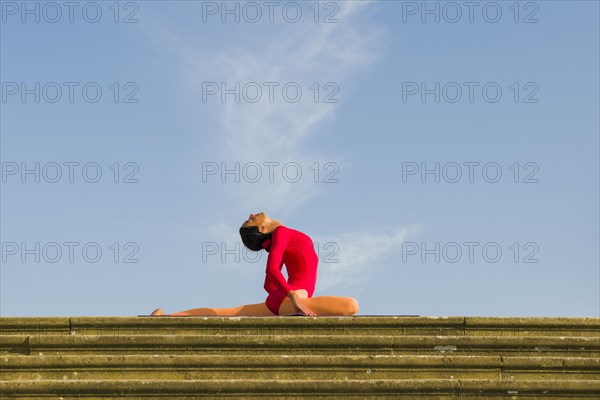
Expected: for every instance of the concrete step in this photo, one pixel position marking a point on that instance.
(300, 344)
(286, 388)
(370, 357)
(357, 325)
(306, 367)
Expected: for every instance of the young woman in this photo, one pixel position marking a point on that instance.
(294, 296)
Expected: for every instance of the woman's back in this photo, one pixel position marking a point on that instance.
(296, 250)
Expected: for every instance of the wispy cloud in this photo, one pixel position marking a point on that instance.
(305, 53)
(354, 256)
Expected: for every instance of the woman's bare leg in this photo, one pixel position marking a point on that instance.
(323, 305)
(258, 309)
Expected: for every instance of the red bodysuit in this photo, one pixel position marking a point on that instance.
(296, 250)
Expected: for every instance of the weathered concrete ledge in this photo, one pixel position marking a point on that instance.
(295, 357)
(311, 367)
(115, 342)
(560, 326)
(284, 386)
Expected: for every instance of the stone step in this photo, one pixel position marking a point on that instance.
(301, 325)
(360, 357)
(289, 388)
(309, 367)
(291, 344)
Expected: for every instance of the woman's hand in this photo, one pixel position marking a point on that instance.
(301, 307)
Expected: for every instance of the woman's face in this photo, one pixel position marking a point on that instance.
(259, 220)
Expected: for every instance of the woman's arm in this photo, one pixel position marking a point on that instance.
(275, 263)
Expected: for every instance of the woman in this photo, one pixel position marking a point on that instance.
(294, 249)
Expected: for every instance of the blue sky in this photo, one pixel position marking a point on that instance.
(377, 224)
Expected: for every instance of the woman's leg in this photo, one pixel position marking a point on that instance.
(323, 305)
(258, 309)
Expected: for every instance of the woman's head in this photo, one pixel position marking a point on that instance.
(261, 220)
(257, 230)
(254, 239)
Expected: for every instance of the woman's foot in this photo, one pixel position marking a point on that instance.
(157, 312)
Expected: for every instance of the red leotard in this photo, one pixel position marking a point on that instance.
(296, 250)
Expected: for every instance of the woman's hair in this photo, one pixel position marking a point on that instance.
(254, 239)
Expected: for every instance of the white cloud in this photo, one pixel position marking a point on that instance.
(358, 255)
(305, 53)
